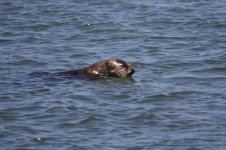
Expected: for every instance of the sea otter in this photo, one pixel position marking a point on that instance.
(107, 68)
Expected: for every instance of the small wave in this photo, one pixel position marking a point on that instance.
(142, 117)
(39, 91)
(212, 70)
(168, 96)
(39, 27)
(27, 62)
(89, 119)
(81, 55)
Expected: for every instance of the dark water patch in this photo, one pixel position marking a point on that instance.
(39, 27)
(26, 62)
(145, 119)
(39, 91)
(78, 55)
(3, 97)
(214, 71)
(56, 109)
(215, 61)
(81, 97)
(6, 41)
(8, 34)
(173, 96)
(89, 120)
(23, 109)
(8, 116)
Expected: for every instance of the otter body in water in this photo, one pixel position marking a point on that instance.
(108, 68)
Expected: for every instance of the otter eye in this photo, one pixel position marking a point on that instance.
(124, 65)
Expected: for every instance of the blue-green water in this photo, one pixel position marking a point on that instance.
(176, 101)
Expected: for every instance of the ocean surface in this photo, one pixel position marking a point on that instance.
(175, 100)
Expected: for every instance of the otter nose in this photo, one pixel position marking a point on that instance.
(132, 71)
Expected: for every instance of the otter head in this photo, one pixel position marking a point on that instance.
(119, 68)
(111, 68)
